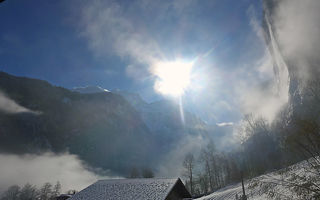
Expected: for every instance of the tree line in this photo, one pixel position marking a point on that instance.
(293, 136)
(30, 192)
(210, 170)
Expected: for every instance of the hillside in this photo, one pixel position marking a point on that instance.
(287, 183)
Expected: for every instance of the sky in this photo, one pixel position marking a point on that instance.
(117, 44)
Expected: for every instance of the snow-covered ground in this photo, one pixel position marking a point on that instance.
(288, 183)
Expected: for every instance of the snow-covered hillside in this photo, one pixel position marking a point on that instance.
(288, 183)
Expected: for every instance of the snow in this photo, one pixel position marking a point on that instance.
(127, 189)
(273, 185)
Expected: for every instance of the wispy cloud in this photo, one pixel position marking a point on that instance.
(111, 30)
(225, 124)
(8, 105)
(292, 58)
(297, 32)
(263, 86)
(138, 32)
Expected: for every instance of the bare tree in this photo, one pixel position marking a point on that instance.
(12, 193)
(203, 181)
(46, 192)
(56, 189)
(28, 192)
(188, 165)
(147, 173)
(207, 157)
(134, 173)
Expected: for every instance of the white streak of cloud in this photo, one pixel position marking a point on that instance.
(225, 124)
(263, 88)
(8, 105)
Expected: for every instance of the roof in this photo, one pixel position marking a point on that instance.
(128, 189)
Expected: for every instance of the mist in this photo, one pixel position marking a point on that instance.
(171, 164)
(66, 168)
(297, 32)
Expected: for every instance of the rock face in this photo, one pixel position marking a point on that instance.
(102, 128)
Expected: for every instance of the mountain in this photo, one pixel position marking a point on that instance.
(165, 121)
(115, 131)
(102, 128)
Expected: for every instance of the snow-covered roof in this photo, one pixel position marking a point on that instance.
(127, 189)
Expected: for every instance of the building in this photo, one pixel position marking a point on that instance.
(135, 189)
(63, 197)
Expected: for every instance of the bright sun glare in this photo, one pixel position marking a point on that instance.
(173, 77)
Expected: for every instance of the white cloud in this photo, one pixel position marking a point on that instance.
(297, 30)
(10, 106)
(114, 29)
(47, 167)
(294, 45)
(225, 124)
(263, 85)
(110, 30)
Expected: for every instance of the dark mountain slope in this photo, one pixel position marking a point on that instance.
(102, 128)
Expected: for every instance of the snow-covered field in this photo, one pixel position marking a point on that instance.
(288, 183)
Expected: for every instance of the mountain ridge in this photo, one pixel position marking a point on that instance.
(88, 125)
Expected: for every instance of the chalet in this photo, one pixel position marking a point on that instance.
(135, 189)
(63, 197)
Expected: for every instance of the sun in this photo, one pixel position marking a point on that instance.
(173, 78)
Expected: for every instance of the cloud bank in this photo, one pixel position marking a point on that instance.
(47, 167)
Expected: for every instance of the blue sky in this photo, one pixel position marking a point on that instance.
(111, 44)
